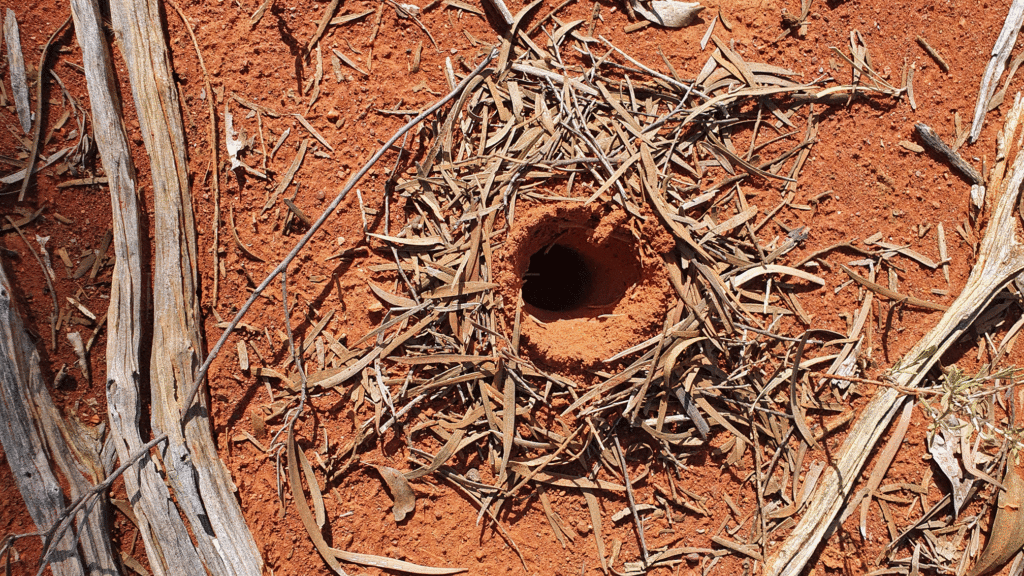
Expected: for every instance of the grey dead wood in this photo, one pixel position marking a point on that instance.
(1000, 259)
(997, 63)
(23, 441)
(503, 10)
(75, 453)
(933, 142)
(166, 539)
(201, 482)
(16, 64)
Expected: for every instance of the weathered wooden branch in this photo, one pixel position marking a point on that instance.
(997, 64)
(200, 480)
(166, 539)
(34, 422)
(1000, 259)
(23, 441)
(75, 453)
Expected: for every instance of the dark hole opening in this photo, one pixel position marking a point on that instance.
(558, 279)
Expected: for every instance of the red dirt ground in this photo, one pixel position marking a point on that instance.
(877, 186)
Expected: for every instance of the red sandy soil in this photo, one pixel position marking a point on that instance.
(876, 186)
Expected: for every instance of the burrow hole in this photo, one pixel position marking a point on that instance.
(557, 280)
(572, 275)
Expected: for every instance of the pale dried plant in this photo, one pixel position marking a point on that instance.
(966, 404)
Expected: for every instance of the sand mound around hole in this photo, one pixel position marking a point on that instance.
(616, 300)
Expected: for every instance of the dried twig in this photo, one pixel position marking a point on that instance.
(933, 53)
(932, 141)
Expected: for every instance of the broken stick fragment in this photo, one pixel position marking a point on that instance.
(932, 141)
(997, 64)
(499, 5)
(933, 53)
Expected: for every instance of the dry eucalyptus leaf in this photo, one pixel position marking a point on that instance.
(79, 347)
(1006, 537)
(408, 10)
(669, 13)
(942, 448)
(401, 492)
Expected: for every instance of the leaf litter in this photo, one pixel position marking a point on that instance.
(577, 119)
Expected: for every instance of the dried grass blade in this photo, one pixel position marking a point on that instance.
(411, 332)
(322, 26)
(238, 242)
(567, 480)
(508, 424)
(610, 384)
(681, 234)
(318, 77)
(392, 299)
(885, 459)
(458, 289)
(631, 500)
(37, 131)
(309, 127)
(615, 177)
(314, 489)
(510, 34)
(707, 35)
(744, 277)
(794, 406)
(386, 563)
(744, 71)
(346, 18)
(554, 520)
(350, 63)
(446, 452)
(737, 547)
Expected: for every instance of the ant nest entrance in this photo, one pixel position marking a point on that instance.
(588, 289)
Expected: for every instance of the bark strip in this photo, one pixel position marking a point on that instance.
(166, 539)
(200, 480)
(24, 443)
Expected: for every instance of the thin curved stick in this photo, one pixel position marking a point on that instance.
(37, 132)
